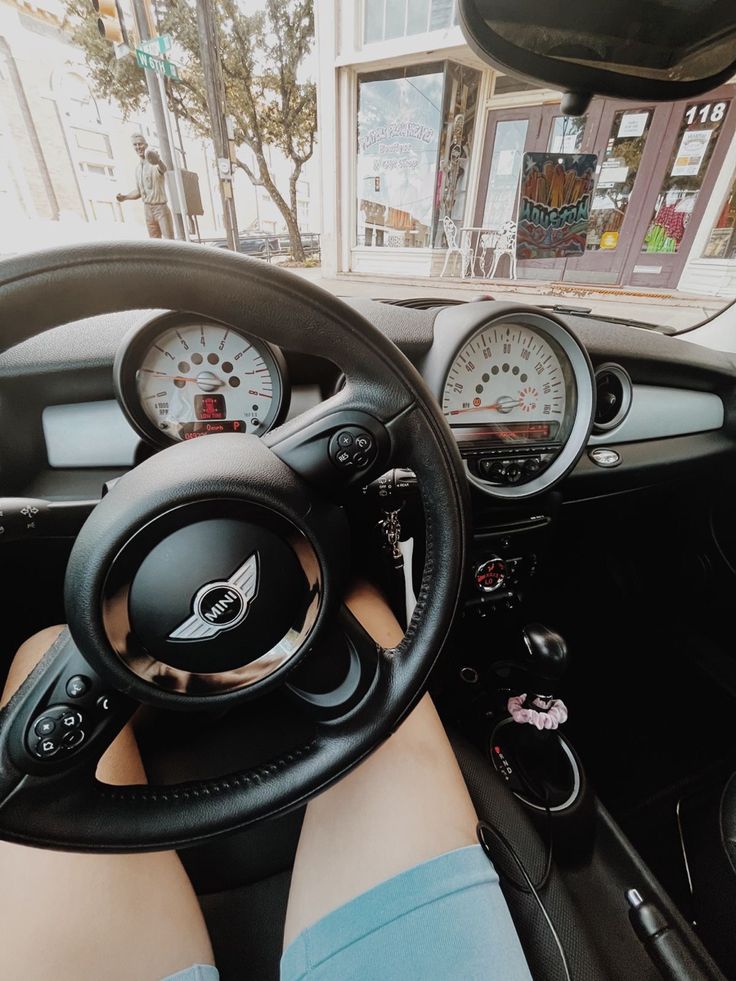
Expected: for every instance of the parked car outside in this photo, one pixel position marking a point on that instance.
(261, 244)
(310, 241)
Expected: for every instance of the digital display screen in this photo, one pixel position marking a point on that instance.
(191, 430)
(509, 432)
(209, 406)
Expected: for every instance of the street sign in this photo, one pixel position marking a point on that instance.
(156, 45)
(158, 65)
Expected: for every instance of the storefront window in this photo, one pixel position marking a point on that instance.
(385, 19)
(458, 115)
(415, 133)
(566, 134)
(618, 170)
(721, 242)
(399, 123)
(503, 181)
(688, 165)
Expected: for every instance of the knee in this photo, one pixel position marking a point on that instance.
(27, 657)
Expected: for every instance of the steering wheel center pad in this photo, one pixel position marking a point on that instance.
(209, 567)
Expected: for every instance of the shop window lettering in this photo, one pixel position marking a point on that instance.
(396, 163)
(708, 113)
(425, 134)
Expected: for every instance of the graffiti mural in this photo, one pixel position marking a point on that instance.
(554, 204)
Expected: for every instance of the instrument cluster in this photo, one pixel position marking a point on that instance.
(517, 393)
(181, 378)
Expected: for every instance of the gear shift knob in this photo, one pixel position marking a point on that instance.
(547, 657)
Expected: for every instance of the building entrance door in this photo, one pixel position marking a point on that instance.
(627, 144)
(693, 148)
(653, 164)
(510, 133)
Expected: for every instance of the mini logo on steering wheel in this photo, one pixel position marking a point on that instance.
(222, 605)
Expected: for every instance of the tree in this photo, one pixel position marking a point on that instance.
(263, 55)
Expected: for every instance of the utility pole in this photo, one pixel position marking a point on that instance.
(160, 118)
(215, 89)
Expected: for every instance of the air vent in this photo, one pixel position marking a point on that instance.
(613, 397)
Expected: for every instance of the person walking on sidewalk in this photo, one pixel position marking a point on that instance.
(151, 188)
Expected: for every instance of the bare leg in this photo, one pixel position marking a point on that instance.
(406, 804)
(107, 917)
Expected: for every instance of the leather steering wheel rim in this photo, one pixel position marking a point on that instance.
(58, 286)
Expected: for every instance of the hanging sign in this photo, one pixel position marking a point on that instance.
(554, 204)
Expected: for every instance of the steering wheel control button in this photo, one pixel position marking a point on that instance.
(73, 738)
(77, 686)
(46, 748)
(490, 574)
(605, 457)
(44, 726)
(51, 727)
(352, 447)
(104, 703)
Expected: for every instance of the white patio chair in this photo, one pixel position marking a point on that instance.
(486, 243)
(452, 246)
(505, 245)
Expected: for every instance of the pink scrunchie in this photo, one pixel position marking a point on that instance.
(550, 718)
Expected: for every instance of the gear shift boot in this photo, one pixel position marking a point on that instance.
(528, 749)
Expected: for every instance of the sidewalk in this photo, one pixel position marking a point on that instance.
(664, 307)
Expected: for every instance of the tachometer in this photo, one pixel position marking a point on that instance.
(180, 380)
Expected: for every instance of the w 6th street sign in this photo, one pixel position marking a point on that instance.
(158, 65)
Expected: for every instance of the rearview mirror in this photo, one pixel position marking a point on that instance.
(628, 49)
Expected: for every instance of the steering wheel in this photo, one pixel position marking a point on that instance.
(210, 570)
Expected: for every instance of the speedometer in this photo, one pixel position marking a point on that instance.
(512, 378)
(516, 390)
(179, 380)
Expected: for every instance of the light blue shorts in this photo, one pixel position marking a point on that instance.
(441, 920)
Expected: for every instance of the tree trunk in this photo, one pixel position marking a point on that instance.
(297, 249)
(288, 214)
(295, 238)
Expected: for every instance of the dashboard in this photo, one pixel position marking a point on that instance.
(535, 400)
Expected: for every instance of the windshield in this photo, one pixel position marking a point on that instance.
(373, 169)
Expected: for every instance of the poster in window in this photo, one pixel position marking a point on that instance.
(718, 245)
(554, 204)
(632, 125)
(691, 152)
